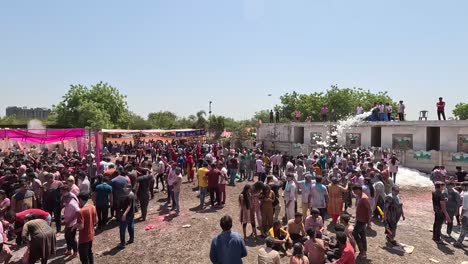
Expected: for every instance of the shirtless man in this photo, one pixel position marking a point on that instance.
(314, 248)
(344, 219)
(296, 229)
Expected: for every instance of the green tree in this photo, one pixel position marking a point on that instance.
(185, 122)
(201, 122)
(100, 106)
(10, 120)
(262, 115)
(461, 111)
(216, 126)
(163, 120)
(341, 102)
(137, 122)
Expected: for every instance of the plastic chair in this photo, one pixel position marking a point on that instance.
(423, 115)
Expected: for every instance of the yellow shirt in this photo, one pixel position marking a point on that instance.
(283, 232)
(202, 180)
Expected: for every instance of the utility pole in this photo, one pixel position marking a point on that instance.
(209, 111)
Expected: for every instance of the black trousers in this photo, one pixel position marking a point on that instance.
(55, 210)
(70, 238)
(214, 191)
(86, 252)
(359, 235)
(170, 195)
(160, 177)
(439, 113)
(103, 215)
(389, 115)
(144, 201)
(401, 116)
(297, 238)
(437, 227)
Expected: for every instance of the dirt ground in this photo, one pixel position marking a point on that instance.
(170, 242)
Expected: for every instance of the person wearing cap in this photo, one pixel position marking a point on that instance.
(464, 227)
(453, 204)
(439, 203)
(51, 197)
(267, 255)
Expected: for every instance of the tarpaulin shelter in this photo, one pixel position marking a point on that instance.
(74, 138)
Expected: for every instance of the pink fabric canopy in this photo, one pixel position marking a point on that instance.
(42, 136)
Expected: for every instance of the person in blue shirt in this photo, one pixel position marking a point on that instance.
(102, 200)
(228, 247)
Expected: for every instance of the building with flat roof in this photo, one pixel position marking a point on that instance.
(421, 144)
(29, 113)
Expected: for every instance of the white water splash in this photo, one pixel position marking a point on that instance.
(36, 125)
(412, 178)
(344, 125)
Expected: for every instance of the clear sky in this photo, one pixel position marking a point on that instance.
(178, 55)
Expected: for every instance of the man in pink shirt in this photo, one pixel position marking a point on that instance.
(71, 214)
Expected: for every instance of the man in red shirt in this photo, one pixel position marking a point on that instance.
(18, 220)
(86, 223)
(347, 250)
(440, 108)
(363, 214)
(213, 184)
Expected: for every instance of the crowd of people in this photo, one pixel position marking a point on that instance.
(284, 199)
(322, 185)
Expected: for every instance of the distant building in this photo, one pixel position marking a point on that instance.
(30, 113)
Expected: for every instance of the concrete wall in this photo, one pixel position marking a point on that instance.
(315, 129)
(449, 137)
(275, 132)
(365, 135)
(438, 158)
(449, 131)
(419, 135)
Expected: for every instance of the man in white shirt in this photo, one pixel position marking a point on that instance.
(290, 196)
(158, 172)
(260, 168)
(268, 255)
(389, 112)
(464, 228)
